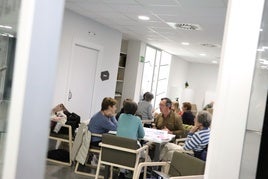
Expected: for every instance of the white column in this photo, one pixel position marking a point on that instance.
(233, 89)
(32, 90)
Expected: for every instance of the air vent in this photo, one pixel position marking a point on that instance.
(210, 45)
(184, 26)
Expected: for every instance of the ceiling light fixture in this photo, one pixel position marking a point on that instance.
(214, 61)
(6, 26)
(7, 35)
(263, 61)
(184, 26)
(202, 54)
(185, 43)
(260, 50)
(144, 18)
(210, 45)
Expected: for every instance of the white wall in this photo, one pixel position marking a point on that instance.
(201, 78)
(76, 28)
(177, 77)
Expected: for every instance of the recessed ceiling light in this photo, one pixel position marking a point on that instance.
(261, 30)
(6, 26)
(260, 50)
(202, 54)
(185, 43)
(214, 61)
(263, 61)
(6, 35)
(145, 18)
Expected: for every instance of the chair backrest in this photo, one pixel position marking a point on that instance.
(183, 165)
(120, 157)
(194, 109)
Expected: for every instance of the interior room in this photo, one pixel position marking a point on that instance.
(179, 41)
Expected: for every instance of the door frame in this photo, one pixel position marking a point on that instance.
(93, 46)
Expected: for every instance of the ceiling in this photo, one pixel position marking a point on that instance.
(123, 16)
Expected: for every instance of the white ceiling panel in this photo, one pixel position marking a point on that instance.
(202, 3)
(158, 2)
(122, 15)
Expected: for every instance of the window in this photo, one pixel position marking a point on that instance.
(156, 73)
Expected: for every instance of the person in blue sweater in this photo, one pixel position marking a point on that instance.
(198, 137)
(129, 125)
(104, 120)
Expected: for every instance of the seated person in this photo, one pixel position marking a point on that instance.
(198, 137)
(58, 117)
(210, 105)
(168, 120)
(187, 116)
(122, 109)
(145, 108)
(176, 107)
(104, 120)
(129, 125)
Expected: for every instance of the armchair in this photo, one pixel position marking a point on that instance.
(67, 138)
(181, 165)
(120, 152)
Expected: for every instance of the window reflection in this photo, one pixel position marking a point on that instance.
(8, 24)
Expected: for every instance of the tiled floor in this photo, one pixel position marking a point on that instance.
(54, 171)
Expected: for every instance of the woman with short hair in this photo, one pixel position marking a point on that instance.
(198, 137)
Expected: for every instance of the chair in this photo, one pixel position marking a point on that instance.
(67, 138)
(120, 152)
(181, 165)
(91, 150)
(181, 142)
(147, 122)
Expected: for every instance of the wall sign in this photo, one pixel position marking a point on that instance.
(104, 75)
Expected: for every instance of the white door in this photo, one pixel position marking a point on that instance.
(81, 80)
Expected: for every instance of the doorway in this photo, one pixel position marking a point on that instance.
(82, 79)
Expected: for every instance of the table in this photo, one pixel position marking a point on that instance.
(159, 138)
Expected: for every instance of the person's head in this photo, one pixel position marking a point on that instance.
(203, 118)
(175, 106)
(148, 96)
(186, 106)
(130, 107)
(109, 106)
(126, 100)
(143, 97)
(165, 105)
(59, 107)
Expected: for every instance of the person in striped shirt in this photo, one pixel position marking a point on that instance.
(198, 137)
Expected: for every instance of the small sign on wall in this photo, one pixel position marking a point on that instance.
(104, 75)
(142, 59)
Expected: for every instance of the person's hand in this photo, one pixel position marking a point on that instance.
(166, 129)
(153, 126)
(194, 129)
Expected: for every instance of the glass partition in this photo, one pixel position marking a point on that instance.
(254, 162)
(8, 25)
